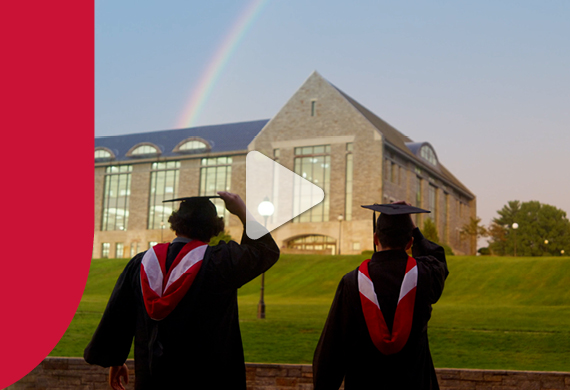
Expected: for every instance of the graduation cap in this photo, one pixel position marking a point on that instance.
(191, 197)
(394, 217)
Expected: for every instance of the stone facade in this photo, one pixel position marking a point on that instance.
(74, 373)
(317, 114)
(335, 122)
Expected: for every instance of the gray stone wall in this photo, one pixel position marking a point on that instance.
(335, 122)
(74, 373)
(404, 187)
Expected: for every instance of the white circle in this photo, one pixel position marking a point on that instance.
(266, 208)
(515, 225)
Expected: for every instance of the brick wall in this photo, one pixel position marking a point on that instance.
(74, 373)
(451, 379)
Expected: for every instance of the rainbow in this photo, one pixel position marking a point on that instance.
(220, 59)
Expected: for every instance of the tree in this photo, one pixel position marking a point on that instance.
(430, 230)
(474, 229)
(500, 229)
(543, 230)
(498, 234)
(509, 212)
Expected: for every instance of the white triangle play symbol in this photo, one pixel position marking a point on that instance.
(275, 195)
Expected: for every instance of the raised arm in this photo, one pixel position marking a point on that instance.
(234, 204)
(424, 247)
(431, 257)
(250, 258)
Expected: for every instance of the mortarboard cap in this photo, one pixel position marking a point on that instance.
(395, 209)
(192, 197)
(394, 217)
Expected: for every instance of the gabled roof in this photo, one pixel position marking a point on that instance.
(222, 138)
(233, 137)
(398, 140)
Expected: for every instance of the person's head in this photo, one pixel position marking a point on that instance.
(196, 218)
(394, 231)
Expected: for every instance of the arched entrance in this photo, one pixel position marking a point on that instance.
(311, 244)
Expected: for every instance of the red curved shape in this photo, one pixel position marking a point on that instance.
(47, 176)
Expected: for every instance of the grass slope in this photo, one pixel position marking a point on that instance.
(495, 313)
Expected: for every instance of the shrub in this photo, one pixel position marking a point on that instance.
(448, 250)
(430, 230)
(223, 236)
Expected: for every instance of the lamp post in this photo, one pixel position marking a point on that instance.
(265, 209)
(340, 219)
(515, 227)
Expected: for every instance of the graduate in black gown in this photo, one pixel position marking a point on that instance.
(375, 336)
(194, 340)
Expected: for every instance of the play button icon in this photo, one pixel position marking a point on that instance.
(275, 195)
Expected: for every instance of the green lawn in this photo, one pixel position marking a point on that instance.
(496, 312)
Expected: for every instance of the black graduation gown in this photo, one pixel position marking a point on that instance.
(345, 349)
(198, 345)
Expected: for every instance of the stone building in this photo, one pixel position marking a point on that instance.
(320, 133)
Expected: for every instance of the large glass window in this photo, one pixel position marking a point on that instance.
(216, 175)
(432, 202)
(418, 191)
(313, 163)
(348, 187)
(116, 197)
(444, 217)
(163, 186)
(417, 217)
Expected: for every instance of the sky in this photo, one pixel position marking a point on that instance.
(487, 83)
